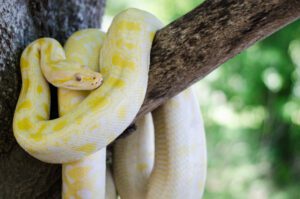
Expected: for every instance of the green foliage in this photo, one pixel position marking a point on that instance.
(251, 108)
(260, 87)
(166, 10)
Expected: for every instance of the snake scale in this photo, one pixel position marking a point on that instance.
(165, 158)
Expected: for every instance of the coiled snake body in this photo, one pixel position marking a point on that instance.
(90, 121)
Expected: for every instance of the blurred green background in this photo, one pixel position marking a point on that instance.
(251, 108)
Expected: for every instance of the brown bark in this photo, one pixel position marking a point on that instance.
(183, 52)
(191, 47)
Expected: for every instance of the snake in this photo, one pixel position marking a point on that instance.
(165, 158)
(105, 113)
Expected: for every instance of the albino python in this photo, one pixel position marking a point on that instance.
(172, 166)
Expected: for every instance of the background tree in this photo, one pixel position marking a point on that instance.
(254, 88)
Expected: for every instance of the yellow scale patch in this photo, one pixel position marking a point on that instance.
(49, 51)
(122, 112)
(152, 34)
(98, 102)
(73, 186)
(24, 63)
(87, 148)
(78, 173)
(61, 81)
(104, 70)
(24, 124)
(26, 104)
(60, 125)
(40, 117)
(25, 84)
(78, 120)
(128, 25)
(115, 82)
(46, 108)
(39, 89)
(117, 60)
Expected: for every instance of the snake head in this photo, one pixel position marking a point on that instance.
(83, 79)
(73, 76)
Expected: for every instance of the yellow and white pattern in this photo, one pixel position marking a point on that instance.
(164, 159)
(105, 113)
(84, 178)
(179, 168)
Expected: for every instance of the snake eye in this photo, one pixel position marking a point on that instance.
(78, 77)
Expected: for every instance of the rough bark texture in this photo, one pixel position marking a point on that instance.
(194, 45)
(183, 52)
(22, 21)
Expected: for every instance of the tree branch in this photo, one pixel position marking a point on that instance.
(191, 47)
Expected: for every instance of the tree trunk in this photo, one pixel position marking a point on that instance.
(22, 21)
(183, 52)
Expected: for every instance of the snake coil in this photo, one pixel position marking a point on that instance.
(165, 158)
